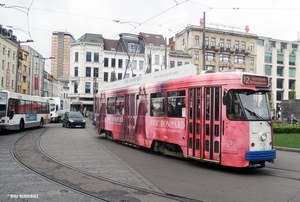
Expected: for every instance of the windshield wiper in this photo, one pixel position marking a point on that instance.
(252, 113)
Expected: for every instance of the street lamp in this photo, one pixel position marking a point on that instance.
(19, 55)
(49, 58)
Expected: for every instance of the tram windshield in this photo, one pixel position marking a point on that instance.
(248, 105)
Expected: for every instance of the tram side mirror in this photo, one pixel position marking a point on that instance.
(225, 99)
(11, 114)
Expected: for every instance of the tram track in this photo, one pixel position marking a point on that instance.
(284, 173)
(27, 152)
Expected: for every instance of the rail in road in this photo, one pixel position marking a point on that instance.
(28, 152)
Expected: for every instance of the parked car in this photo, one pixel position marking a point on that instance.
(73, 119)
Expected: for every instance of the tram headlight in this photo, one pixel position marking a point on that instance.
(263, 136)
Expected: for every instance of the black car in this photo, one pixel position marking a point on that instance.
(73, 119)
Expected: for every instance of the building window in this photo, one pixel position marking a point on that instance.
(12, 84)
(206, 42)
(228, 44)
(3, 64)
(179, 63)
(186, 63)
(221, 43)
(268, 70)
(252, 47)
(172, 64)
(88, 87)
(88, 56)
(292, 72)
(96, 88)
(87, 72)
(213, 42)
(196, 55)
(196, 39)
(119, 76)
(105, 62)
(236, 45)
(141, 65)
(280, 71)
(238, 59)
(260, 42)
(113, 62)
(96, 57)
(280, 59)
(268, 57)
(251, 60)
(76, 71)
(210, 56)
(292, 60)
(120, 63)
(13, 69)
(133, 65)
(76, 56)
(96, 72)
(209, 67)
(75, 88)
(105, 76)
(223, 68)
(157, 59)
(127, 75)
(224, 58)
(2, 81)
(243, 45)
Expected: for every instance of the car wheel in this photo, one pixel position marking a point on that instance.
(82, 126)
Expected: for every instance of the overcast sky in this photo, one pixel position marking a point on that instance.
(37, 19)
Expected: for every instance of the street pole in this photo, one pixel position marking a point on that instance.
(203, 41)
(43, 73)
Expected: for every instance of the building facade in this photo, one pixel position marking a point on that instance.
(60, 50)
(8, 61)
(223, 49)
(280, 60)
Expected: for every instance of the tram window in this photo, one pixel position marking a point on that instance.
(177, 100)
(120, 105)
(111, 105)
(157, 103)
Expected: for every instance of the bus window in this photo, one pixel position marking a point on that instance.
(28, 107)
(177, 100)
(111, 105)
(157, 104)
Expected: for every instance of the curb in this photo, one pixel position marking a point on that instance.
(287, 149)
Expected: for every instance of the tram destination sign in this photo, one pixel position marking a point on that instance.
(255, 80)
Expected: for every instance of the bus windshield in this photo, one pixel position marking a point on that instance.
(3, 99)
(52, 107)
(248, 105)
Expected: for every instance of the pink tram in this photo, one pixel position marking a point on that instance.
(222, 118)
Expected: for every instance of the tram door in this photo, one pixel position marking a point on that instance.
(212, 124)
(194, 123)
(129, 122)
(204, 123)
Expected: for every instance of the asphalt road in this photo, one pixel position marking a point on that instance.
(276, 182)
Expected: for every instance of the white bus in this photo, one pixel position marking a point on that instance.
(58, 108)
(19, 111)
